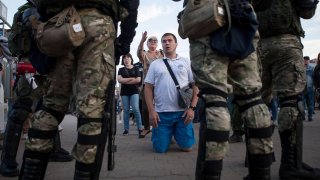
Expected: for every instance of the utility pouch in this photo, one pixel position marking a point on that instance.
(200, 18)
(60, 34)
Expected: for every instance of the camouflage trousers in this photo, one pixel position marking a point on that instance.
(88, 69)
(214, 71)
(283, 73)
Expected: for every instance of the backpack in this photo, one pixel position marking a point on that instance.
(19, 39)
(236, 39)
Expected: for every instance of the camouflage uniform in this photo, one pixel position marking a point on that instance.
(280, 51)
(212, 73)
(24, 98)
(28, 92)
(88, 69)
(95, 68)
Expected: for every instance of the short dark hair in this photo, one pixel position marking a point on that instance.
(306, 58)
(169, 34)
(127, 55)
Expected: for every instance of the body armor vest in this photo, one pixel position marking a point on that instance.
(49, 7)
(280, 18)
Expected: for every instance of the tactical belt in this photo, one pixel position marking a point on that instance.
(290, 101)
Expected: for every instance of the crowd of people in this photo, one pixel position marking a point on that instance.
(270, 74)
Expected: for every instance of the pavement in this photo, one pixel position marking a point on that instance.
(135, 159)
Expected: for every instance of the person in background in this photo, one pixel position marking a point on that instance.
(1, 101)
(161, 95)
(26, 98)
(309, 90)
(146, 57)
(316, 80)
(139, 65)
(273, 107)
(129, 77)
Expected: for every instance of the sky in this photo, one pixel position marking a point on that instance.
(160, 16)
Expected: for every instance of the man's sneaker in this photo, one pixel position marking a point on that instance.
(7, 171)
(235, 138)
(60, 156)
(125, 133)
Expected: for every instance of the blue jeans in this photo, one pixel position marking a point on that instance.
(309, 100)
(132, 101)
(172, 124)
(273, 107)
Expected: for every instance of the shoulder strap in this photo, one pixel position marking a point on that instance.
(171, 73)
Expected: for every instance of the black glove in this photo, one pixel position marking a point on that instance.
(127, 27)
(129, 24)
(121, 48)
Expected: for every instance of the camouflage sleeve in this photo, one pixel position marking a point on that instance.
(261, 5)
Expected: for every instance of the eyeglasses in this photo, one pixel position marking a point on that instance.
(153, 40)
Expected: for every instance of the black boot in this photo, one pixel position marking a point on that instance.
(259, 166)
(292, 168)
(34, 165)
(19, 113)
(59, 154)
(206, 170)
(258, 174)
(82, 172)
(9, 166)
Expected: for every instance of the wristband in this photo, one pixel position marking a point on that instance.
(192, 107)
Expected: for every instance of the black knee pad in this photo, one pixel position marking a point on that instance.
(99, 140)
(295, 101)
(260, 160)
(244, 107)
(56, 114)
(216, 92)
(20, 110)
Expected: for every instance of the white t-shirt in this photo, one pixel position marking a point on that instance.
(165, 91)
